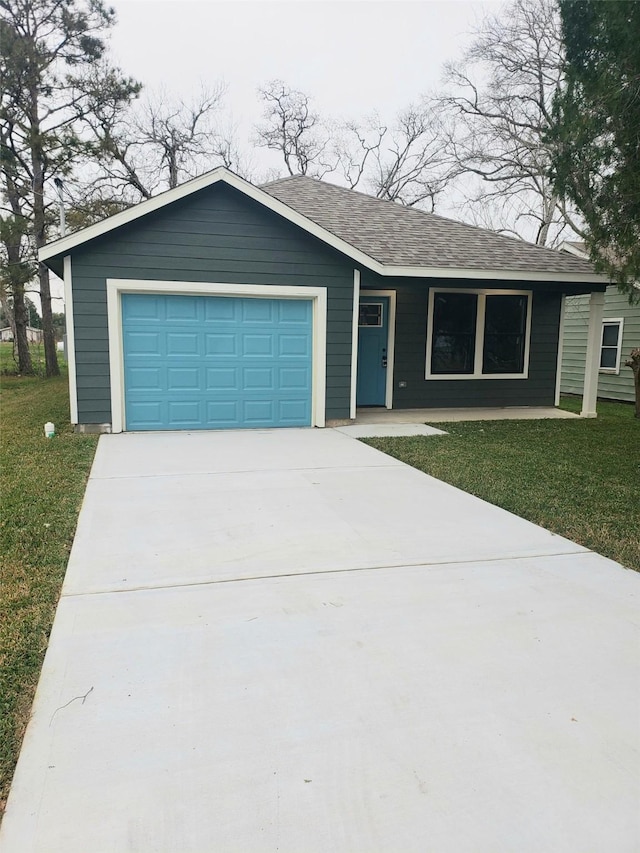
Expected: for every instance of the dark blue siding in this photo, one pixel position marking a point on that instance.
(411, 345)
(216, 235)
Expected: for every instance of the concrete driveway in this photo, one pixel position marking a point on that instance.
(288, 641)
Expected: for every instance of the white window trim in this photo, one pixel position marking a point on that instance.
(391, 337)
(116, 287)
(477, 374)
(620, 323)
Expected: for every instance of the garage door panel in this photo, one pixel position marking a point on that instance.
(183, 378)
(291, 412)
(146, 378)
(182, 343)
(257, 345)
(183, 308)
(259, 378)
(223, 414)
(148, 414)
(294, 378)
(294, 345)
(222, 378)
(216, 362)
(221, 309)
(184, 413)
(258, 412)
(143, 343)
(143, 307)
(221, 344)
(293, 312)
(257, 311)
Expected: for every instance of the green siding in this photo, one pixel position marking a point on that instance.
(217, 235)
(411, 344)
(611, 386)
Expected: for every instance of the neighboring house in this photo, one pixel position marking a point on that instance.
(34, 336)
(221, 305)
(620, 334)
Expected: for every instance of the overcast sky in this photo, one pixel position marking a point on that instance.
(351, 57)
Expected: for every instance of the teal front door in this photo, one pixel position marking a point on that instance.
(373, 326)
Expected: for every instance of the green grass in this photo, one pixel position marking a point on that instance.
(42, 482)
(578, 478)
(9, 365)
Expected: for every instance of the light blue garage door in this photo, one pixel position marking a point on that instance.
(216, 362)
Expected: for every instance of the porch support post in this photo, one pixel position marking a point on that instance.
(556, 401)
(354, 343)
(592, 362)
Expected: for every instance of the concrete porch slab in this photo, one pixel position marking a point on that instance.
(410, 416)
(388, 430)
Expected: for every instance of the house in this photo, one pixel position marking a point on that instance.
(220, 304)
(34, 336)
(620, 333)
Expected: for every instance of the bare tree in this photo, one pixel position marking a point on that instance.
(404, 162)
(356, 146)
(158, 144)
(291, 127)
(410, 165)
(497, 113)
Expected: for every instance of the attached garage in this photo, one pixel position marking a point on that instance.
(220, 305)
(216, 362)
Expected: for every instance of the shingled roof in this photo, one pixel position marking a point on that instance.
(395, 235)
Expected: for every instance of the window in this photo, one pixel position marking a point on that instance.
(370, 314)
(611, 346)
(478, 334)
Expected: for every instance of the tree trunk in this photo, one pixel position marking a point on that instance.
(8, 312)
(48, 333)
(634, 363)
(20, 342)
(39, 237)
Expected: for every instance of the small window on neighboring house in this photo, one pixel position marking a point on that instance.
(611, 347)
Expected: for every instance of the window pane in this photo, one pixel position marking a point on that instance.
(504, 334)
(610, 332)
(608, 357)
(370, 314)
(454, 332)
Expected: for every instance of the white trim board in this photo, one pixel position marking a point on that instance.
(71, 340)
(354, 343)
(64, 244)
(391, 338)
(116, 287)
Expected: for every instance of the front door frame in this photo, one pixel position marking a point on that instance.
(365, 293)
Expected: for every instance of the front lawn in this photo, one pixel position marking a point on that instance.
(578, 478)
(42, 482)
